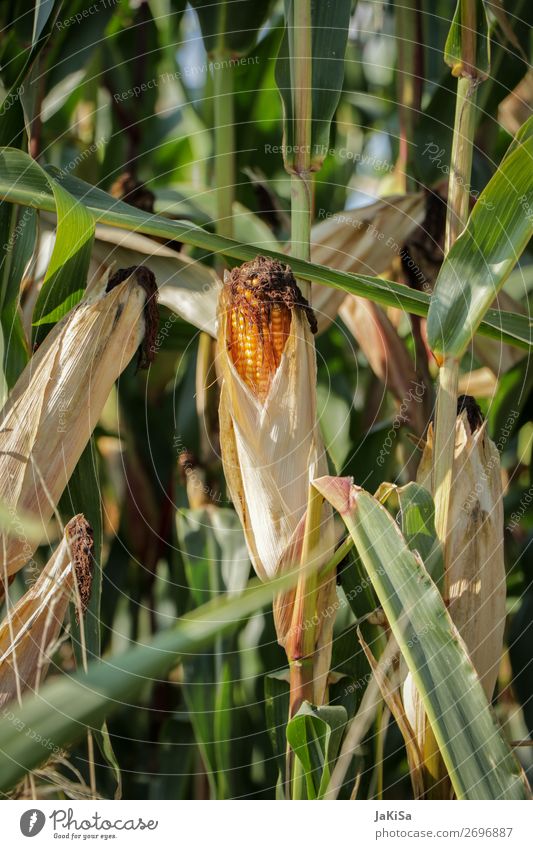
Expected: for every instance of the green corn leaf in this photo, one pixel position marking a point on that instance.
(43, 10)
(66, 275)
(23, 185)
(478, 760)
(82, 495)
(315, 735)
(214, 551)
(330, 20)
(215, 559)
(224, 730)
(17, 241)
(276, 713)
(475, 269)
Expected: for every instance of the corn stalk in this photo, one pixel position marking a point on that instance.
(457, 215)
(465, 66)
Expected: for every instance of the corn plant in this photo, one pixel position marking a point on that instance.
(235, 340)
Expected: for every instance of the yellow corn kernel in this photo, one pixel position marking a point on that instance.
(259, 298)
(257, 333)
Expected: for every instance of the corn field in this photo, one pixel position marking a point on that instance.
(266, 441)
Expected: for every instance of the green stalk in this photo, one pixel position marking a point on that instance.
(224, 114)
(409, 76)
(302, 88)
(301, 643)
(445, 417)
(301, 193)
(301, 77)
(302, 639)
(457, 215)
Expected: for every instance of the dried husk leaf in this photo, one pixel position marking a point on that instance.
(271, 450)
(31, 627)
(476, 570)
(387, 355)
(361, 241)
(188, 287)
(480, 382)
(55, 404)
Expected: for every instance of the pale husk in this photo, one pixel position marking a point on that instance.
(56, 403)
(270, 452)
(31, 627)
(187, 287)
(476, 570)
(366, 240)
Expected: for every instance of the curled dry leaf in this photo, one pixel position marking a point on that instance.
(361, 241)
(387, 356)
(31, 627)
(55, 404)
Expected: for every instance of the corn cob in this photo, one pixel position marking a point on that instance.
(270, 441)
(56, 402)
(259, 298)
(476, 570)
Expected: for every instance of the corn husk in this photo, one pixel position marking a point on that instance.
(56, 403)
(187, 287)
(476, 577)
(30, 629)
(476, 569)
(271, 450)
(387, 356)
(366, 240)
